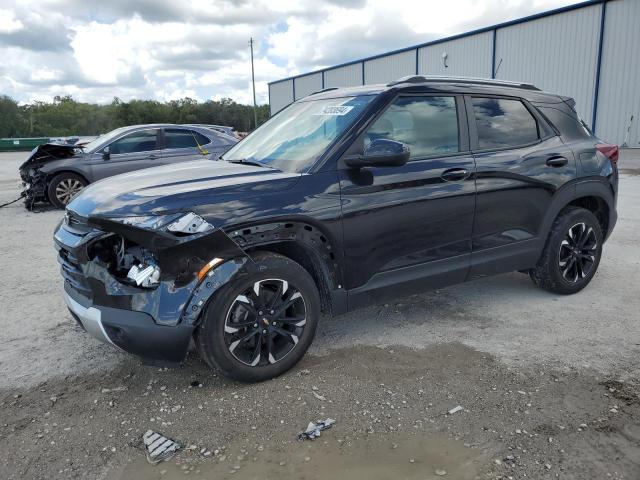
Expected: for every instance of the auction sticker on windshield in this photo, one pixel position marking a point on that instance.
(335, 110)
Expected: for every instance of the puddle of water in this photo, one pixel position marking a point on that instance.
(416, 456)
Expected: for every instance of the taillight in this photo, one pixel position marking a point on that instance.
(610, 151)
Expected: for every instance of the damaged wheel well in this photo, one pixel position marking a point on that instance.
(302, 243)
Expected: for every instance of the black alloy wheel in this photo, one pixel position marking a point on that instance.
(261, 323)
(577, 254)
(571, 255)
(265, 322)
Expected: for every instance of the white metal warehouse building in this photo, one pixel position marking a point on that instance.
(589, 51)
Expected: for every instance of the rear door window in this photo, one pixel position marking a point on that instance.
(503, 123)
(142, 141)
(182, 138)
(427, 125)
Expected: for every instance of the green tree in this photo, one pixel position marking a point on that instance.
(9, 117)
(65, 116)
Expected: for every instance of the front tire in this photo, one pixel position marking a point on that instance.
(260, 324)
(572, 253)
(63, 187)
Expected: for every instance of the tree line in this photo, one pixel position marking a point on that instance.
(66, 116)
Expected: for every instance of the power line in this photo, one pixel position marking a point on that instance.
(253, 83)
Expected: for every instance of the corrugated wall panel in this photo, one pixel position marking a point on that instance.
(347, 76)
(557, 53)
(467, 57)
(390, 67)
(280, 95)
(619, 96)
(308, 84)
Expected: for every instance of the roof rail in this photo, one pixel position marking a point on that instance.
(473, 80)
(323, 90)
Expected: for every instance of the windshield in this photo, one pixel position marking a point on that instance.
(294, 139)
(102, 140)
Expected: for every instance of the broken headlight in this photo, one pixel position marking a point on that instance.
(180, 224)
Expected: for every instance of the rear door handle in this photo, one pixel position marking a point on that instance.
(557, 161)
(152, 156)
(455, 174)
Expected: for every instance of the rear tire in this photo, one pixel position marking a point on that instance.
(63, 187)
(572, 253)
(260, 324)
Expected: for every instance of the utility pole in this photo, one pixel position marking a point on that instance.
(253, 83)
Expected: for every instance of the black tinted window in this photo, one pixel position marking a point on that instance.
(568, 123)
(143, 141)
(428, 125)
(179, 138)
(503, 123)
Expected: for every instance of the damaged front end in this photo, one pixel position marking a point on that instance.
(34, 180)
(141, 283)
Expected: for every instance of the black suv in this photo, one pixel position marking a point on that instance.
(345, 198)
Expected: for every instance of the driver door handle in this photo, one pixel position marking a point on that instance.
(455, 174)
(153, 156)
(557, 161)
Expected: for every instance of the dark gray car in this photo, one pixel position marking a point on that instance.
(57, 172)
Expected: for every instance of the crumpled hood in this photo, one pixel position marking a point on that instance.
(178, 187)
(49, 152)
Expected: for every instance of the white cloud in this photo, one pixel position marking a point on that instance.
(164, 50)
(8, 22)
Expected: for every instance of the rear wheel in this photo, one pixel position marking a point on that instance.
(63, 187)
(572, 253)
(260, 325)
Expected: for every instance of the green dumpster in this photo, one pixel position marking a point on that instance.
(17, 144)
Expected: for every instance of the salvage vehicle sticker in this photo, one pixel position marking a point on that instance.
(335, 110)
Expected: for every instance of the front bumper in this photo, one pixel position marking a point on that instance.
(155, 324)
(134, 332)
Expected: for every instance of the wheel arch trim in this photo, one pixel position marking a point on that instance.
(581, 189)
(318, 253)
(301, 232)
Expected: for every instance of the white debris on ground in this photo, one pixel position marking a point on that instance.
(159, 447)
(313, 429)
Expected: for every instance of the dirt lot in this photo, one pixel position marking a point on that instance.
(549, 385)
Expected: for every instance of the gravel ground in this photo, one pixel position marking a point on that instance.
(548, 385)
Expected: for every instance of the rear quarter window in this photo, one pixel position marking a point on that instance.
(568, 123)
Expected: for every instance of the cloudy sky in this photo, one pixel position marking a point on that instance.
(168, 49)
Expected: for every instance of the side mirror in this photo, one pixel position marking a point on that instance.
(106, 153)
(381, 153)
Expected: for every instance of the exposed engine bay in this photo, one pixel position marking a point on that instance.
(131, 264)
(157, 272)
(34, 180)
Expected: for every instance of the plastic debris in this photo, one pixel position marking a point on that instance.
(159, 447)
(319, 397)
(314, 428)
(455, 410)
(116, 389)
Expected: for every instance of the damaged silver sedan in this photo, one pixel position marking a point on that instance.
(56, 172)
